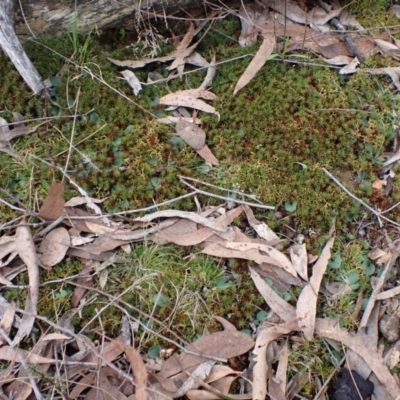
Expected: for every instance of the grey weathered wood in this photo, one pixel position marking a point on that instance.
(12, 47)
(49, 17)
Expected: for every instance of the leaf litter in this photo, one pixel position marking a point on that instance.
(194, 371)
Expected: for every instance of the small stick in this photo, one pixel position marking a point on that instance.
(378, 215)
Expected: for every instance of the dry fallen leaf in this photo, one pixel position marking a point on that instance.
(132, 80)
(260, 371)
(191, 134)
(257, 62)
(262, 229)
(306, 308)
(279, 306)
(225, 344)
(298, 255)
(53, 205)
(8, 353)
(27, 252)
(53, 247)
(207, 155)
(267, 254)
(181, 100)
(139, 371)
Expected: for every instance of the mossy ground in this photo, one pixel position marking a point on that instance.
(272, 140)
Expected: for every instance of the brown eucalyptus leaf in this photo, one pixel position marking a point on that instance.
(225, 344)
(27, 252)
(257, 62)
(138, 369)
(207, 155)
(177, 100)
(54, 246)
(306, 309)
(53, 205)
(191, 134)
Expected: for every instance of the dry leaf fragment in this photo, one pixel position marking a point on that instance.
(53, 205)
(298, 255)
(201, 372)
(132, 80)
(350, 68)
(281, 372)
(306, 309)
(174, 120)
(78, 201)
(386, 46)
(339, 60)
(257, 62)
(207, 155)
(196, 59)
(191, 134)
(53, 247)
(262, 229)
(196, 93)
(211, 70)
(7, 134)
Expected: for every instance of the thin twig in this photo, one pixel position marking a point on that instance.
(377, 214)
(71, 141)
(250, 196)
(226, 198)
(11, 206)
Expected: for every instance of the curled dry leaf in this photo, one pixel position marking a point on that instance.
(350, 68)
(306, 309)
(78, 201)
(201, 372)
(211, 70)
(53, 247)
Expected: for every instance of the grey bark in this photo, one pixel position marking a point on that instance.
(49, 17)
(11, 45)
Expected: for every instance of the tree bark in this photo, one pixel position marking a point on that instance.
(35, 18)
